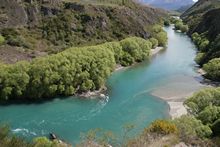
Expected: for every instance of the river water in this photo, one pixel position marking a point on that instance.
(130, 98)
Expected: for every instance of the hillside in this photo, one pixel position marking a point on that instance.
(169, 4)
(196, 14)
(183, 8)
(33, 28)
(203, 19)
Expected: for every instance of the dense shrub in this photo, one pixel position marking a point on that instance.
(180, 26)
(190, 127)
(162, 38)
(200, 58)
(167, 22)
(13, 38)
(2, 39)
(72, 71)
(212, 69)
(154, 42)
(205, 106)
(200, 40)
(163, 127)
(202, 99)
(8, 140)
(184, 28)
(159, 34)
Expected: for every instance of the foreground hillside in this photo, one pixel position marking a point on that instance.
(37, 28)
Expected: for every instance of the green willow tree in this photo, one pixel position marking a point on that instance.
(73, 71)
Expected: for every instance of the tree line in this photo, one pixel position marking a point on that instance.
(72, 71)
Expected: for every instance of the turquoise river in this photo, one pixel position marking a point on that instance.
(130, 99)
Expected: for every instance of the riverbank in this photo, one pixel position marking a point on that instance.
(156, 50)
(102, 92)
(175, 92)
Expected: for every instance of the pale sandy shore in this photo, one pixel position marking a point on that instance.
(176, 91)
(156, 50)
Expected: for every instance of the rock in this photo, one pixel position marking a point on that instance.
(102, 95)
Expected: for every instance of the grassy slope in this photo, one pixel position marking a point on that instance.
(44, 28)
(195, 15)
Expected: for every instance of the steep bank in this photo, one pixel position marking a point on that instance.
(204, 29)
(195, 15)
(37, 28)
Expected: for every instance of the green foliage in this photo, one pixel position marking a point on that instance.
(154, 42)
(2, 39)
(212, 69)
(13, 38)
(167, 22)
(190, 127)
(184, 28)
(200, 40)
(200, 57)
(180, 26)
(163, 127)
(216, 128)
(204, 44)
(205, 105)
(162, 38)
(174, 20)
(202, 99)
(42, 142)
(72, 71)
(57, 29)
(8, 140)
(210, 114)
(137, 48)
(159, 34)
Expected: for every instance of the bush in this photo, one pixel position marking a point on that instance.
(163, 127)
(201, 42)
(203, 45)
(166, 22)
(200, 58)
(209, 115)
(159, 34)
(189, 127)
(154, 42)
(184, 28)
(162, 38)
(202, 99)
(72, 71)
(2, 39)
(8, 140)
(180, 26)
(212, 69)
(42, 142)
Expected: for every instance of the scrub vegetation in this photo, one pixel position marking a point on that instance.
(72, 71)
